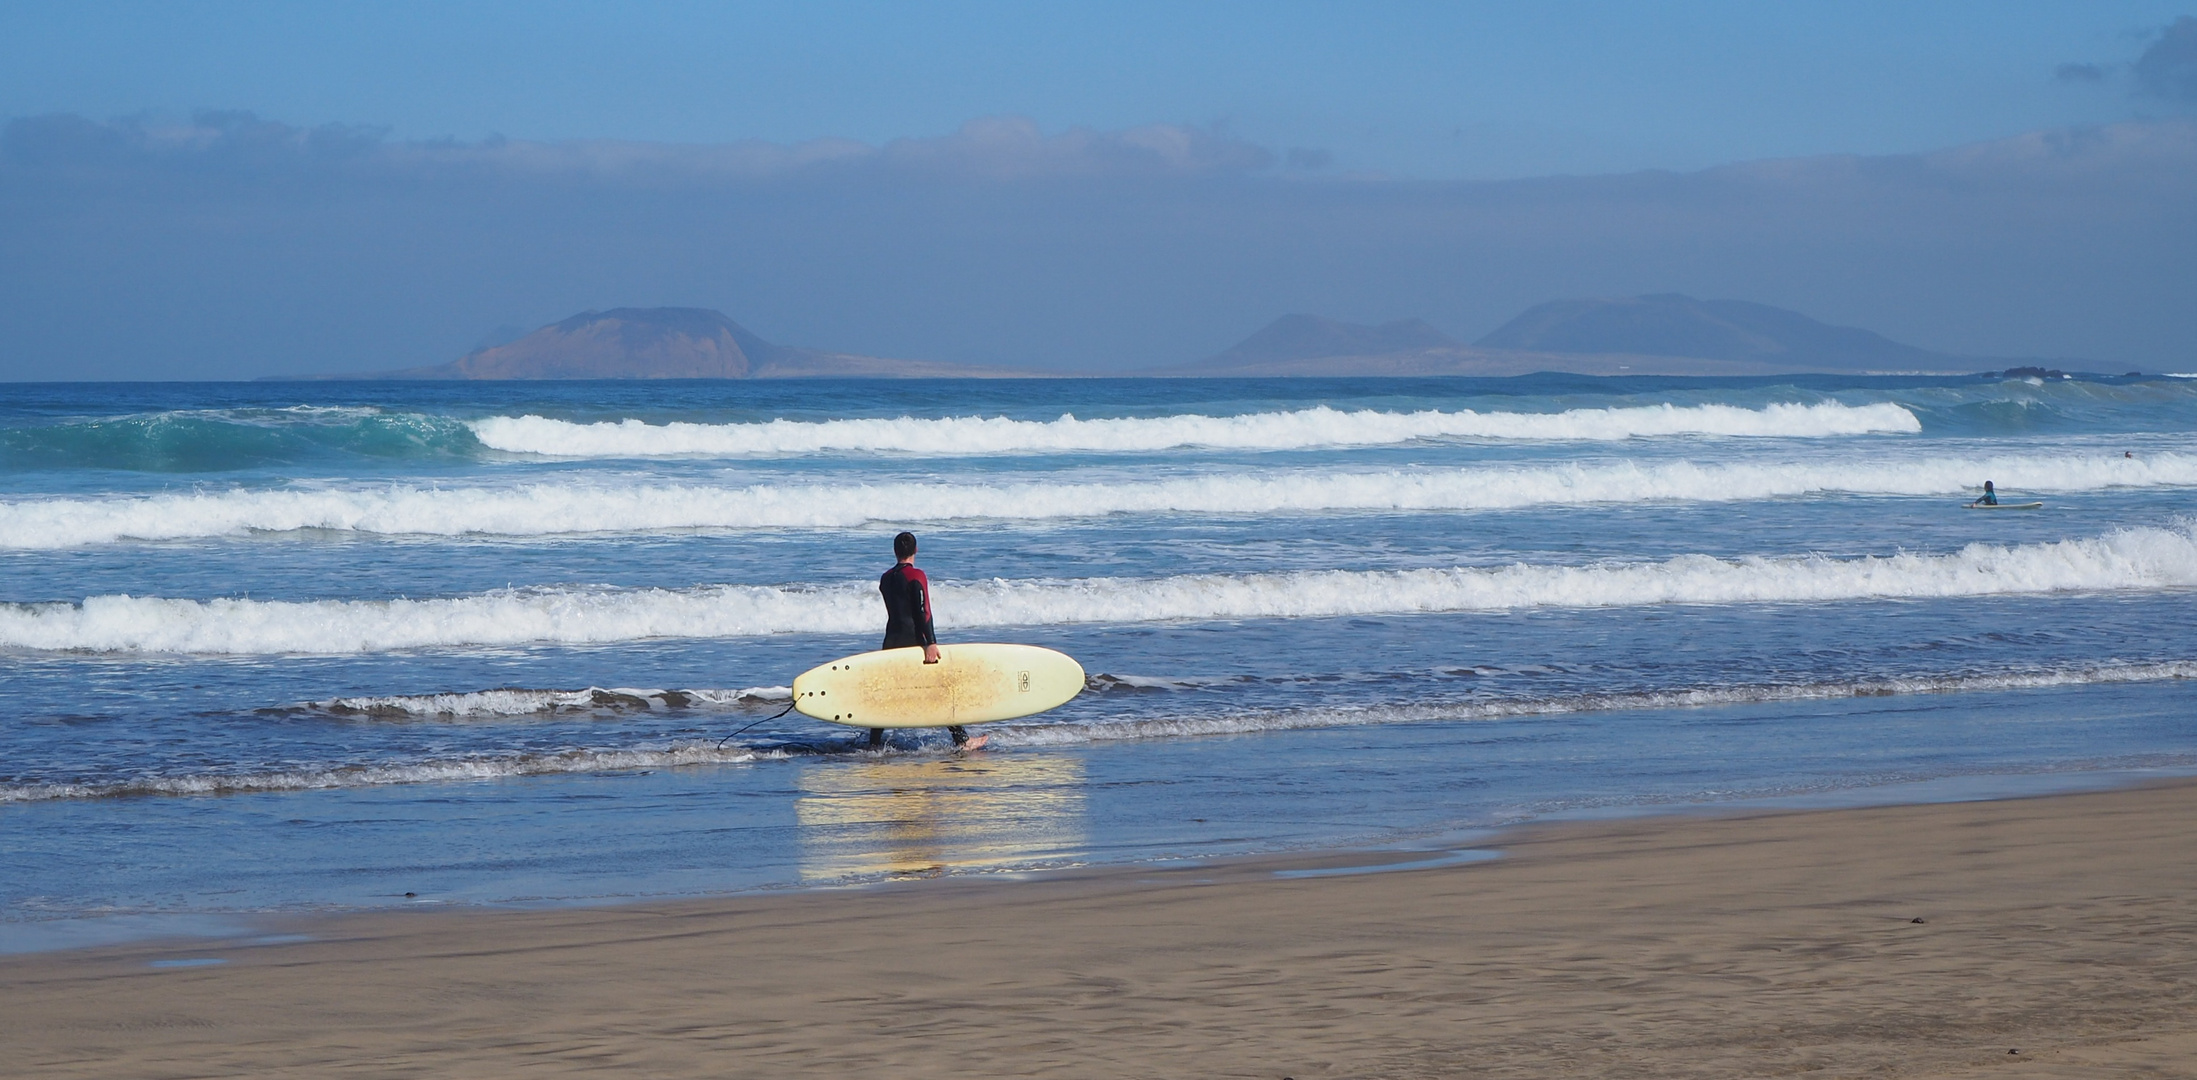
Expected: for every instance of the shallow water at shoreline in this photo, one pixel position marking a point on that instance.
(290, 648)
(849, 818)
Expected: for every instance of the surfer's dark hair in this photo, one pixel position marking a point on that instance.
(903, 545)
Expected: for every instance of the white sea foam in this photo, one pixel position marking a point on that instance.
(541, 509)
(482, 767)
(1304, 428)
(514, 701)
(1011, 734)
(2129, 559)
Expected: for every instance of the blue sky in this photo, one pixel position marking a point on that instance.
(228, 190)
(1409, 89)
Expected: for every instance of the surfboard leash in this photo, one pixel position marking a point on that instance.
(789, 708)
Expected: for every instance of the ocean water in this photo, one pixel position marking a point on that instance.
(272, 647)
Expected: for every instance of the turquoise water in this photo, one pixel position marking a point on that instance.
(291, 646)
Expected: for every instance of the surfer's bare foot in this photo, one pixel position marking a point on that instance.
(976, 743)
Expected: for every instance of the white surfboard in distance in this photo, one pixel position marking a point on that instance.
(2005, 506)
(970, 684)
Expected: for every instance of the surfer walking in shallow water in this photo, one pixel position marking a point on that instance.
(907, 593)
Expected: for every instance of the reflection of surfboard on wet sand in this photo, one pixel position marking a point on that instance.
(970, 684)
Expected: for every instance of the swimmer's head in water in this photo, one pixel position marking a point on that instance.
(904, 544)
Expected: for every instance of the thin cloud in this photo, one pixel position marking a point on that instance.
(229, 245)
(2168, 69)
(995, 148)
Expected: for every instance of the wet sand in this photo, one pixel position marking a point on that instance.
(1901, 941)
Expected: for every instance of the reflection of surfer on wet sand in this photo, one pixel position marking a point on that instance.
(907, 593)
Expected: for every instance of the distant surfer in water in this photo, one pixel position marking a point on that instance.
(1990, 497)
(907, 593)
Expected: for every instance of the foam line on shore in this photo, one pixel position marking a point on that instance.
(1320, 426)
(480, 767)
(2137, 559)
(508, 702)
(1012, 734)
(594, 508)
(1040, 734)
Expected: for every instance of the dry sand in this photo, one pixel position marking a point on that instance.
(1904, 941)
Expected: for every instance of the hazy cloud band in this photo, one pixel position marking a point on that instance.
(233, 246)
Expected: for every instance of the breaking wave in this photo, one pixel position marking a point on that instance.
(1301, 429)
(214, 440)
(2149, 558)
(544, 509)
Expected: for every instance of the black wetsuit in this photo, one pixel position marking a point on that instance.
(907, 607)
(907, 594)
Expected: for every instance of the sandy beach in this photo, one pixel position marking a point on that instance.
(1906, 941)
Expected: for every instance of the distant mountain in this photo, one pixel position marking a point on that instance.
(1667, 324)
(667, 343)
(1664, 334)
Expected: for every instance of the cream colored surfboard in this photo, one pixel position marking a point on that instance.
(970, 684)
